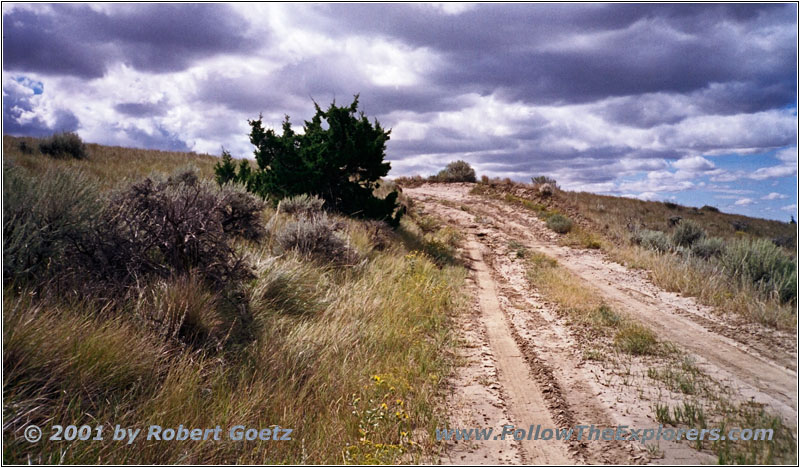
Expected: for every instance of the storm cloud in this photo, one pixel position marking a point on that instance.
(647, 100)
(79, 40)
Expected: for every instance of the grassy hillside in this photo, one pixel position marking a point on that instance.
(618, 213)
(744, 266)
(108, 165)
(292, 317)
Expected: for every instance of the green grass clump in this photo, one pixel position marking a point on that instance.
(559, 223)
(781, 450)
(708, 247)
(605, 316)
(684, 377)
(581, 238)
(687, 233)
(636, 339)
(652, 240)
(288, 286)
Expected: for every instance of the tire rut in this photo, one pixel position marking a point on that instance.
(545, 346)
(525, 400)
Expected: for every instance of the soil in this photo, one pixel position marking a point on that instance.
(526, 363)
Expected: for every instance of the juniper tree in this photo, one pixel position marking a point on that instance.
(225, 170)
(338, 157)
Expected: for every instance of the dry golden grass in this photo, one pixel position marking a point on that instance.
(705, 281)
(110, 165)
(611, 215)
(606, 222)
(350, 358)
(357, 375)
(584, 308)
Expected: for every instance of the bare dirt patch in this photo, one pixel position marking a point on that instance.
(575, 390)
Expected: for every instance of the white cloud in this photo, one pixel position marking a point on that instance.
(744, 202)
(773, 171)
(727, 176)
(792, 207)
(454, 8)
(628, 164)
(788, 155)
(727, 189)
(731, 133)
(694, 164)
(647, 196)
(391, 63)
(774, 196)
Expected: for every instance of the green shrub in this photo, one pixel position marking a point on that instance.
(559, 223)
(456, 171)
(541, 180)
(64, 145)
(45, 219)
(225, 169)
(317, 238)
(764, 264)
(636, 339)
(25, 147)
(240, 212)
(708, 247)
(301, 205)
(653, 240)
(713, 209)
(686, 233)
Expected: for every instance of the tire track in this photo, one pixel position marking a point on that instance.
(752, 374)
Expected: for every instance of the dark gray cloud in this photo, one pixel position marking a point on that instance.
(79, 41)
(161, 138)
(630, 49)
(292, 89)
(141, 109)
(633, 97)
(447, 141)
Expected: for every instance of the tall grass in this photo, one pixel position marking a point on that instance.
(763, 264)
(351, 357)
(711, 283)
(42, 216)
(378, 339)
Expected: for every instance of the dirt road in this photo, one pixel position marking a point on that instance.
(540, 374)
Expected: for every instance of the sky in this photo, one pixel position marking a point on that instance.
(695, 103)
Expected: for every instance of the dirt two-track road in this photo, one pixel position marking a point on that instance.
(524, 365)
